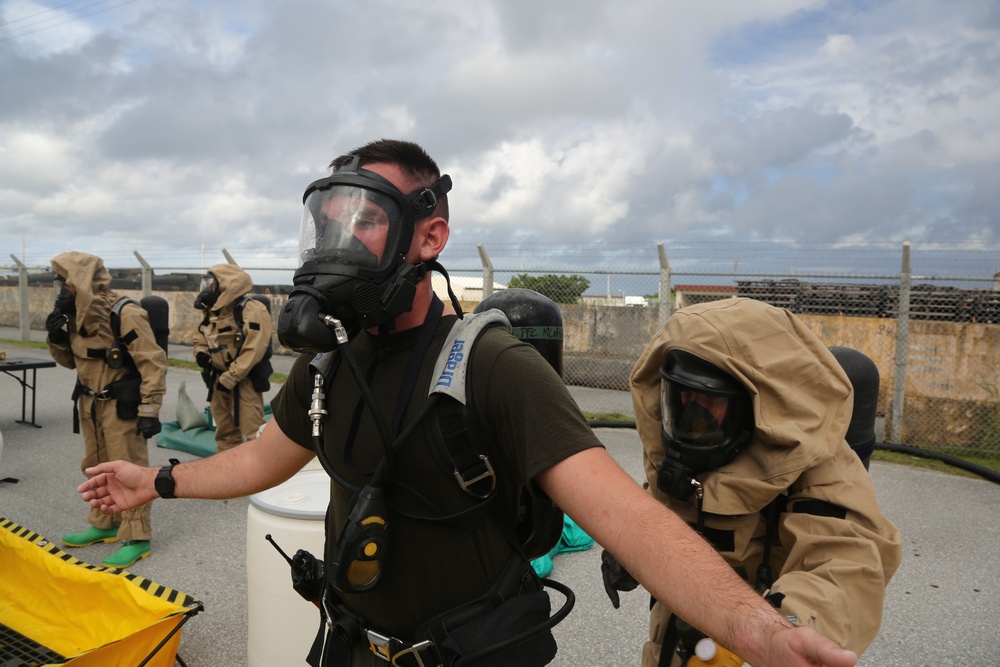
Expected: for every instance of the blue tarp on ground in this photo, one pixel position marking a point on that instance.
(199, 440)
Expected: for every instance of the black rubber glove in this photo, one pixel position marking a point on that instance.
(308, 575)
(616, 578)
(148, 426)
(54, 324)
(208, 377)
(203, 359)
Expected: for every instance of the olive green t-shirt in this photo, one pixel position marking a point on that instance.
(529, 422)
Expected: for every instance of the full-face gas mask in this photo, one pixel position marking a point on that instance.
(707, 420)
(65, 299)
(356, 230)
(208, 292)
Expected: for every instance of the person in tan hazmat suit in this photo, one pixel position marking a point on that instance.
(234, 358)
(742, 412)
(119, 391)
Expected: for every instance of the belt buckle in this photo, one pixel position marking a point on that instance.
(379, 645)
(415, 652)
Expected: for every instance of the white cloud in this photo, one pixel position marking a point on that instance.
(35, 161)
(839, 46)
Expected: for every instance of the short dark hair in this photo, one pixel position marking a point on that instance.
(410, 157)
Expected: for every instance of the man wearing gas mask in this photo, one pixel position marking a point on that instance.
(415, 572)
(232, 346)
(119, 390)
(743, 412)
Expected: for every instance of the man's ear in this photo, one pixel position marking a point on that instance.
(432, 236)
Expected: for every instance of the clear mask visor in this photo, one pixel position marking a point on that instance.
(699, 419)
(208, 283)
(61, 288)
(350, 226)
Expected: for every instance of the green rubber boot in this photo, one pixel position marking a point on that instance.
(90, 536)
(130, 552)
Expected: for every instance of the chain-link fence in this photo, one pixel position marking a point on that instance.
(929, 317)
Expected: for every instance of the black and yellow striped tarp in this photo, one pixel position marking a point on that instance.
(58, 610)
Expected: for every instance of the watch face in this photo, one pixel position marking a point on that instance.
(164, 482)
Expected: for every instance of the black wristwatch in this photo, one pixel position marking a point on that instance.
(164, 482)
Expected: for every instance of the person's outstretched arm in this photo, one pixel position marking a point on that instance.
(252, 467)
(678, 567)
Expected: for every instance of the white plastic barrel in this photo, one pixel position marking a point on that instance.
(281, 625)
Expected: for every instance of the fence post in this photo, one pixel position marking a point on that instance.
(22, 297)
(902, 336)
(229, 258)
(487, 270)
(666, 306)
(147, 274)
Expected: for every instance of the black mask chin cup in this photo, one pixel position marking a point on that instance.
(674, 478)
(66, 302)
(301, 322)
(356, 302)
(205, 299)
(681, 462)
(356, 565)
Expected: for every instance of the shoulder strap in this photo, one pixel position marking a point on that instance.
(238, 309)
(118, 355)
(452, 367)
(452, 422)
(454, 436)
(238, 316)
(455, 425)
(116, 316)
(448, 427)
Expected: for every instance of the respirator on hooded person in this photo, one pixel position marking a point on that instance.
(208, 292)
(356, 230)
(707, 420)
(65, 299)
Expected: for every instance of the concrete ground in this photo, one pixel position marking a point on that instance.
(942, 607)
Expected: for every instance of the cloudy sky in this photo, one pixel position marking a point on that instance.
(173, 125)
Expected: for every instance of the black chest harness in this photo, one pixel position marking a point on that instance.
(511, 623)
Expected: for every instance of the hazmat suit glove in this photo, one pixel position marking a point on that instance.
(616, 578)
(308, 576)
(54, 324)
(203, 359)
(226, 383)
(148, 426)
(208, 377)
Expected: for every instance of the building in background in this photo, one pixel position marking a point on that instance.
(466, 288)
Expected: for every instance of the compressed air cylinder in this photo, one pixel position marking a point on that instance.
(158, 311)
(863, 374)
(709, 654)
(534, 318)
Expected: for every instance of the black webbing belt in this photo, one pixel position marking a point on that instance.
(84, 390)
